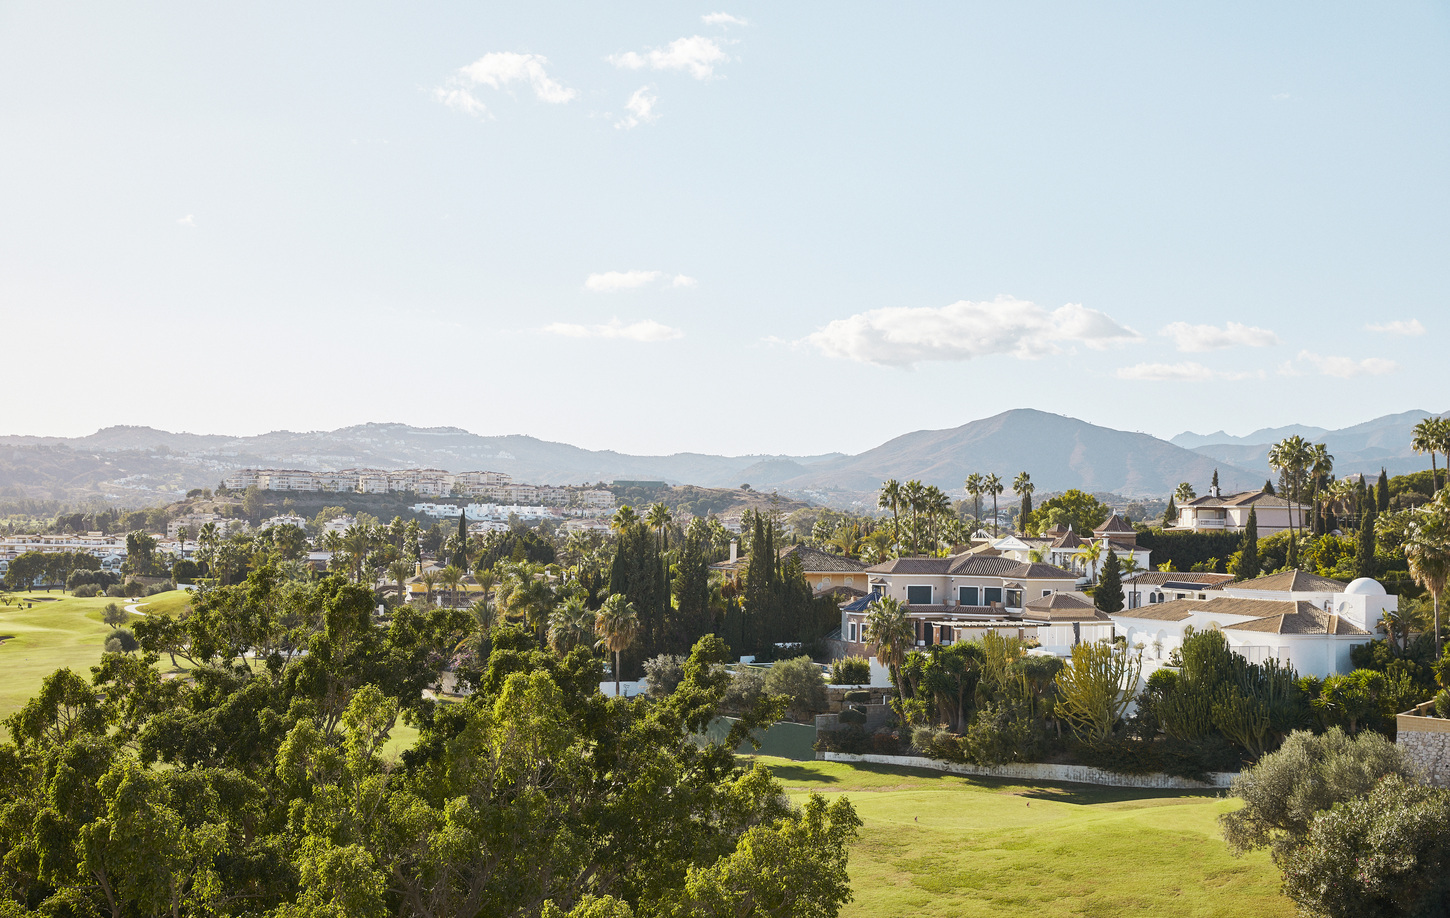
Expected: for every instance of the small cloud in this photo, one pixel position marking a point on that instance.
(1408, 327)
(187, 220)
(1197, 338)
(697, 54)
(723, 19)
(497, 70)
(902, 336)
(1184, 371)
(1280, 97)
(646, 330)
(641, 107)
(1346, 367)
(611, 281)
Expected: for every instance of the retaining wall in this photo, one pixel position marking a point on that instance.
(1037, 771)
(1425, 741)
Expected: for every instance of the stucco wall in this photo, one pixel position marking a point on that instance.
(1073, 774)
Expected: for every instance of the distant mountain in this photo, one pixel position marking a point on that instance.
(1059, 452)
(141, 465)
(1380, 443)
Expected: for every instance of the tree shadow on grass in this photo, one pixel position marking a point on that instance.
(1093, 795)
(802, 773)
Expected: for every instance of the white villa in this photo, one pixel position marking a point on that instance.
(1215, 512)
(1306, 621)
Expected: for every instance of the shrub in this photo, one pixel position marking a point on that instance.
(159, 588)
(1442, 703)
(663, 674)
(133, 589)
(117, 590)
(1003, 733)
(800, 681)
(86, 590)
(851, 740)
(851, 671)
(852, 716)
(858, 697)
(121, 641)
(886, 743)
(938, 743)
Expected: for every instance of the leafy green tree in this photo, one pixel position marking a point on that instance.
(1074, 508)
(114, 615)
(801, 681)
(1108, 595)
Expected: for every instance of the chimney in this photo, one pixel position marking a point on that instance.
(734, 549)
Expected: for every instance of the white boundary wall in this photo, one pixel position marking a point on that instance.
(1036, 771)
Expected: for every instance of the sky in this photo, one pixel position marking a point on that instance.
(751, 228)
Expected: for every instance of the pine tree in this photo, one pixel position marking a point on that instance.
(1108, 595)
(1382, 491)
(1364, 560)
(1248, 567)
(1170, 516)
(1268, 486)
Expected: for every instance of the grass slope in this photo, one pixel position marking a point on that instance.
(58, 631)
(944, 845)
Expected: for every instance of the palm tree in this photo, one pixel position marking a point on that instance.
(1023, 487)
(890, 498)
(658, 518)
(1292, 456)
(451, 578)
(429, 581)
(1090, 553)
(974, 488)
(616, 624)
(531, 599)
(623, 518)
(570, 624)
(1427, 548)
(1429, 436)
(398, 572)
(892, 632)
(992, 484)
(911, 495)
(1185, 493)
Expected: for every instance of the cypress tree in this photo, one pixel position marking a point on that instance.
(1214, 485)
(1170, 516)
(1364, 560)
(1026, 511)
(1382, 491)
(1108, 596)
(1248, 567)
(460, 553)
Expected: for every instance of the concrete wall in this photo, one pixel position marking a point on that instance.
(1072, 774)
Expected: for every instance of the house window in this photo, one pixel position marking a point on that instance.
(1014, 599)
(991, 595)
(918, 595)
(967, 596)
(1046, 592)
(855, 632)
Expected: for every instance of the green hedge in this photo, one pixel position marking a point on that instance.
(1185, 549)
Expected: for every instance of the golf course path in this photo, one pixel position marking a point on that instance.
(132, 608)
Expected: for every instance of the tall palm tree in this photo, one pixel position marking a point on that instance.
(1185, 493)
(938, 509)
(1292, 456)
(1321, 471)
(399, 572)
(992, 484)
(429, 581)
(451, 578)
(974, 488)
(570, 624)
(1427, 548)
(1429, 436)
(911, 494)
(658, 518)
(890, 498)
(1090, 553)
(891, 630)
(616, 624)
(623, 518)
(1023, 487)
(531, 599)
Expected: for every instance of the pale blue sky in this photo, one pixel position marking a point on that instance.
(278, 215)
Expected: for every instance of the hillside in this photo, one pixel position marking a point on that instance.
(1381, 442)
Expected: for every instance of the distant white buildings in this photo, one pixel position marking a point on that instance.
(486, 512)
(497, 487)
(193, 522)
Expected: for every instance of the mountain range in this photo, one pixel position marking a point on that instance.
(141, 465)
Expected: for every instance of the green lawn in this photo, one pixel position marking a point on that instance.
(943, 845)
(59, 630)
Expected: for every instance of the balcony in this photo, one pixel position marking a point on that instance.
(1208, 522)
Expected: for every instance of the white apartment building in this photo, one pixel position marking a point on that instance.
(597, 498)
(242, 479)
(287, 480)
(286, 519)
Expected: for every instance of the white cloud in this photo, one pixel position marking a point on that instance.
(904, 336)
(697, 54)
(1407, 327)
(610, 281)
(188, 220)
(1346, 367)
(1280, 97)
(620, 280)
(1196, 338)
(641, 108)
(723, 19)
(1183, 371)
(461, 100)
(499, 69)
(645, 330)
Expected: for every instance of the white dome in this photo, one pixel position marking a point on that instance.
(1365, 586)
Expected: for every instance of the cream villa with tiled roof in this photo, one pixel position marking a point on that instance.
(1217, 513)
(1151, 587)
(825, 572)
(1307, 621)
